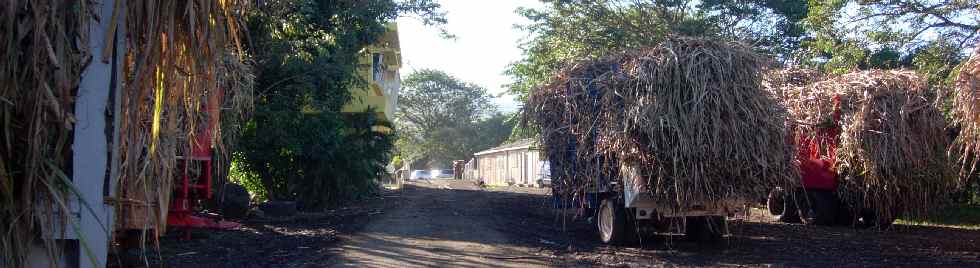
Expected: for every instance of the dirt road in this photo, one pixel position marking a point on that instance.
(440, 223)
(457, 224)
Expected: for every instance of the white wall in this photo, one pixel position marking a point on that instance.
(519, 166)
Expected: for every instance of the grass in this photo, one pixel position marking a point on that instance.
(958, 216)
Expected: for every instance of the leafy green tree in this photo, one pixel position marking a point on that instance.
(492, 131)
(565, 31)
(297, 143)
(927, 35)
(775, 27)
(441, 119)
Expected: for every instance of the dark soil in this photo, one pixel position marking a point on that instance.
(525, 216)
(270, 242)
(755, 242)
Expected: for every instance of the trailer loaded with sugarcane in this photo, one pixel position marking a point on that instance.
(871, 148)
(673, 137)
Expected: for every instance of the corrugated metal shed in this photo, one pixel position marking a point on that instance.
(509, 164)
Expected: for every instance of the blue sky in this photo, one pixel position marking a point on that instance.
(486, 43)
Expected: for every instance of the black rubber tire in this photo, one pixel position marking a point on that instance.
(705, 228)
(613, 224)
(235, 201)
(776, 202)
(819, 208)
(846, 217)
(790, 213)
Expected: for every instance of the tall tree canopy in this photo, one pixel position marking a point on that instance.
(928, 35)
(441, 119)
(564, 31)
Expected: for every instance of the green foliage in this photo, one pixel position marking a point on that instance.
(773, 26)
(298, 145)
(397, 161)
(929, 36)
(442, 119)
(566, 31)
(246, 178)
(965, 216)
(571, 30)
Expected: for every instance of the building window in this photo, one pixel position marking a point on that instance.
(377, 67)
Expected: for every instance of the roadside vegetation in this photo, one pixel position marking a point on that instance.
(441, 118)
(297, 145)
(960, 216)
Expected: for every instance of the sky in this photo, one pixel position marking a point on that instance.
(485, 44)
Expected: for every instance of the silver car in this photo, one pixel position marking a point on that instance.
(442, 173)
(420, 175)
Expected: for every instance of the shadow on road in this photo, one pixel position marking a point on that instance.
(457, 224)
(529, 221)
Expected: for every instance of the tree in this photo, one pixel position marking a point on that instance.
(441, 118)
(773, 26)
(298, 144)
(927, 35)
(566, 31)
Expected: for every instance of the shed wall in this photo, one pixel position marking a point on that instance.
(518, 166)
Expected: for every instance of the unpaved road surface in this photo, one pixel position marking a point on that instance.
(457, 224)
(441, 223)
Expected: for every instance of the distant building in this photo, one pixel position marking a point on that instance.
(381, 62)
(516, 163)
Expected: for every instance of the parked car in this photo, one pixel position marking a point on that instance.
(544, 175)
(420, 175)
(442, 173)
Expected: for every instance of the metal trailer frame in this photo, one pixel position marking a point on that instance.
(634, 197)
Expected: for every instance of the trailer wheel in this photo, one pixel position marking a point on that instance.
(776, 203)
(790, 212)
(613, 223)
(845, 216)
(705, 228)
(819, 208)
(234, 202)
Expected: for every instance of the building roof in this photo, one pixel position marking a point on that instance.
(516, 145)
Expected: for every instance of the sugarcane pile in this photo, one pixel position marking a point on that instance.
(39, 78)
(966, 108)
(177, 55)
(691, 114)
(891, 157)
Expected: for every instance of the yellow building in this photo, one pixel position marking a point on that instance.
(381, 61)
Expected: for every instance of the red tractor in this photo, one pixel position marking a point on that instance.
(816, 201)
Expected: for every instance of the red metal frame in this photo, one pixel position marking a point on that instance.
(817, 170)
(188, 189)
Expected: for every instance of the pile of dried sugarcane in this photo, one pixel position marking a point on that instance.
(178, 55)
(691, 114)
(966, 108)
(181, 56)
(40, 72)
(891, 150)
